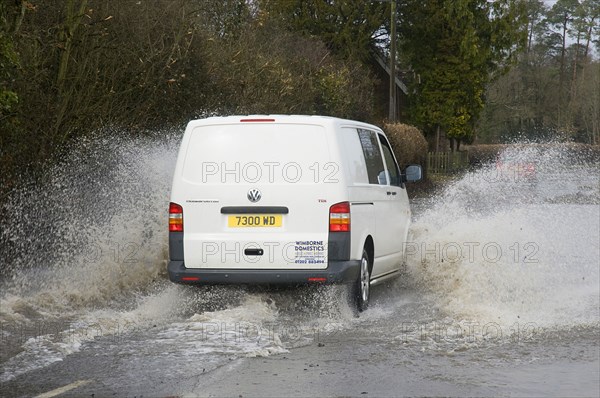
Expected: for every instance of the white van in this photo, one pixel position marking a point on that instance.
(287, 200)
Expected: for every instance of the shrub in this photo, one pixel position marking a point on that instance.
(484, 153)
(408, 143)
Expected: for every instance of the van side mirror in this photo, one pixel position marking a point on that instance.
(413, 173)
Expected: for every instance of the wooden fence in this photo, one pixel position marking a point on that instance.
(446, 162)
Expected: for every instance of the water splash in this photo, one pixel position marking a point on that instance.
(498, 247)
(86, 254)
(92, 231)
(84, 248)
(86, 258)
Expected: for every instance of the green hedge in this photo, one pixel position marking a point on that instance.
(408, 142)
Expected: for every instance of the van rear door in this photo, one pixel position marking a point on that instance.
(255, 195)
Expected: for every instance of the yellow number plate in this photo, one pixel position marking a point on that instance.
(254, 220)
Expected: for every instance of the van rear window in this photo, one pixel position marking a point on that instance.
(258, 153)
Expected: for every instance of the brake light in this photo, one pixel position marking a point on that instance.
(175, 217)
(339, 217)
(257, 120)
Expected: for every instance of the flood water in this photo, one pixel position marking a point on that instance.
(501, 288)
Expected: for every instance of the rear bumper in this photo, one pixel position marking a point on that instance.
(336, 272)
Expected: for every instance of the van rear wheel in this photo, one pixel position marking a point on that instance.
(362, 286)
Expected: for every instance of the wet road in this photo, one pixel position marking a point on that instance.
(393, 351)
(500, 296)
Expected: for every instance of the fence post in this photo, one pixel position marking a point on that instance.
(447, 162)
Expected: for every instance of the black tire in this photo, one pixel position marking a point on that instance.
(361, 289)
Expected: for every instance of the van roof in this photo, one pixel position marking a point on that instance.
(308, 119)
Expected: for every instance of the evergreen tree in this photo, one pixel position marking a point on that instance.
(462, 46)
(560, 17)
(348, 27)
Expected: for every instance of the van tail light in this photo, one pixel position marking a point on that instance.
(256, 120)
(339, 217)
(175, 217)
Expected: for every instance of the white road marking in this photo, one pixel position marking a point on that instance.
(64, 389)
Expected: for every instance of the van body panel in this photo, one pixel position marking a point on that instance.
(363, 224)
(336, 272)
(387, 225)
(290, 164)
(256, 192)
(356, 169)
(274, 154)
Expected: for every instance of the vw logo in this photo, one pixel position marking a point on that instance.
(254, 195)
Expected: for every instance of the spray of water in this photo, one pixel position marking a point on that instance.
(84, 255)
(516, 241)
(84, 248)
(90, 231)
(86, 251)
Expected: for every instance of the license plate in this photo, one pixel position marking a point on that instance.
(254, 220)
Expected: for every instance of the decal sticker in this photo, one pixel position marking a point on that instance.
(310, 252)
(202, 201)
